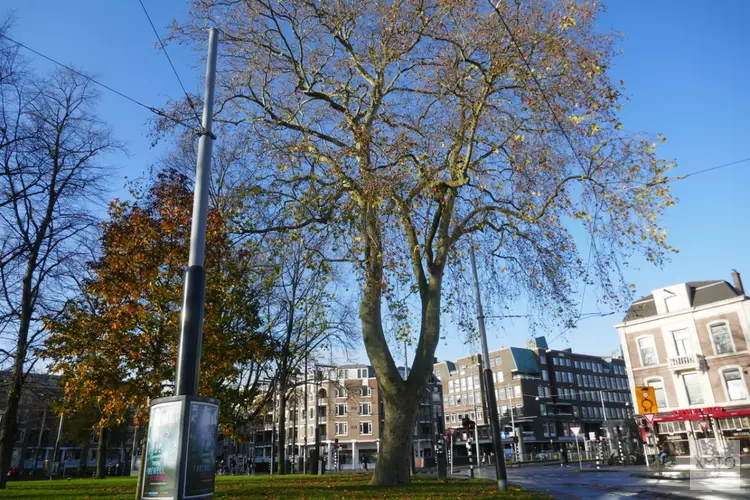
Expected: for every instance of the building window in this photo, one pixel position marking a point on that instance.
(447, 418)
(363, 373)
(518, 391)
(540, 391)
(736, 389)
(545, 374)
(693, 388)
(342, 374)
(342, 428)
(554, 361)
(340, 392)
(341, 410)
(721, 338)
(365, 391)
(543, 359)
(681, 343)
(647, 350)
(365, 409)
(365, 428)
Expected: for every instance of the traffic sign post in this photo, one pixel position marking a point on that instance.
(575, 430)
(646, 400)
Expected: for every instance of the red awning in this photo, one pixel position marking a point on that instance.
(726, 413)
(673, 418)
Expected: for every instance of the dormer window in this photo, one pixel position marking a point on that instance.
(672, 303)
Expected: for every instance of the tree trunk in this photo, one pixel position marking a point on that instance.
(9, 426)
(83, 462)
(282, 428)
(400, 397)
(101, 454)
(397, 435)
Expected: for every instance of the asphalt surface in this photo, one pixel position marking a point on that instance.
(616, 483)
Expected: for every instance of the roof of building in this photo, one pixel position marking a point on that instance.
(525, 360)
(700, 293)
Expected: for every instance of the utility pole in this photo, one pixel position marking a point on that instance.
(41, 433)
(191, 331)
(173, 415)
(273, 431)
(497, 440)
(412, 465)
(57, 441)
(307, 415)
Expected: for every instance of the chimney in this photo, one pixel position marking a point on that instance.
(738, 282)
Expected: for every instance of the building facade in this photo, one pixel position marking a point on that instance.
(345, 404)
(690, 343)
(39, 428)
(541, 393)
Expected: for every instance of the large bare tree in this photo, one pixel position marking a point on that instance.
(411, 129)
(51, 149)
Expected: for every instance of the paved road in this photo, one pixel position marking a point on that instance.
(616, 484)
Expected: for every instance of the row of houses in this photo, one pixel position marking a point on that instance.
(687, 341)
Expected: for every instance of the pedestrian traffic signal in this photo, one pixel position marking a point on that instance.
(468, 424)
(646, 400)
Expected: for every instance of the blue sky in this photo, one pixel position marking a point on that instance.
(686, 73)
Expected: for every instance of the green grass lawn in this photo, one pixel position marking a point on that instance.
(341, 487)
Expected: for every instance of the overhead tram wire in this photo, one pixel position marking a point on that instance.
(554, 116)
(538, 85)
(565, 134)
(174, 70)
(152, 109)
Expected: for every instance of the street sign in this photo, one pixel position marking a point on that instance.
(592, 436)
(649, 418)
(646, 400)
(575, 430)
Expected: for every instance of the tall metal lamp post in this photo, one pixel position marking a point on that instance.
(497, 440)
(182, 432)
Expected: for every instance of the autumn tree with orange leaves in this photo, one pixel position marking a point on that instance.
(115, 345)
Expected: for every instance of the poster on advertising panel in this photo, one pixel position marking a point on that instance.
(200, 469)
(160, 478)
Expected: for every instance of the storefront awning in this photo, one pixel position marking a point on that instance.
(731, 413)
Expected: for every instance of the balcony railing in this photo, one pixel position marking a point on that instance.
(687, 362)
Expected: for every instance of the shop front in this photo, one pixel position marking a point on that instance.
(707, 431)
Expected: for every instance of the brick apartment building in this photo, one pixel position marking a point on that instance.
(38, 428)
(690, 343)
(541, 393)
(345, 404)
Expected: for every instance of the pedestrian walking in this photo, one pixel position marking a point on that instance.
(564, 455)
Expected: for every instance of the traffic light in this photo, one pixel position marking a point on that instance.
(468, 424)
(439, 450)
